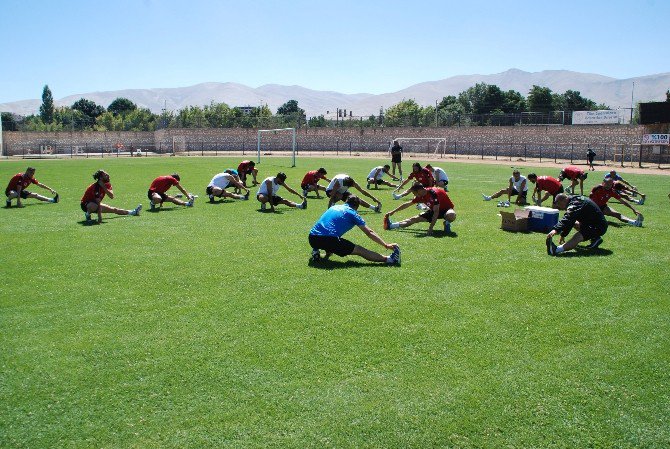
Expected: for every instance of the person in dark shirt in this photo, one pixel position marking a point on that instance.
(582, 214)
(396, 157)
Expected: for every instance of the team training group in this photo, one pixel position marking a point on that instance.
(429, 190)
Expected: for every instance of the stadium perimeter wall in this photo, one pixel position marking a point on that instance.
(522, 141)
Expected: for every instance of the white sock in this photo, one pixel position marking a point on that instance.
(395, 225)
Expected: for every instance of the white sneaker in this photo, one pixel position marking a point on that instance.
(486, 197)
(396, 196)
(136, 211)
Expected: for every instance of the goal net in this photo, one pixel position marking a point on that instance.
(278, 141)
(422, 145)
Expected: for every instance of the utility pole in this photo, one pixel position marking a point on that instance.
(632, 92)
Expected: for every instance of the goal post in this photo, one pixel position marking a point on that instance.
(274, 132)
(428, 145)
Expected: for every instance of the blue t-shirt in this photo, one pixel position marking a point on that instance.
(613, 178)
(336, 221)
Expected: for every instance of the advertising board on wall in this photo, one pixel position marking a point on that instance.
(656, 139)
(600, 117)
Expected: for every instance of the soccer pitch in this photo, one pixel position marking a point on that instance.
(205, 327)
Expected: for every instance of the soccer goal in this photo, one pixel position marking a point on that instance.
(425, 145)
(279, 140)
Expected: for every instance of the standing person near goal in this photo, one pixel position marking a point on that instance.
(440, 176)
(91, 202)
(575, 175)
(217, 187)
(17, 189)
(582, 214)
(247, 168)
(590, 155)
(396, 157)
(547, 184)
(375, 177)
(437, 204)
(158, 188)
(267, 193)
(518, 186)
(419, 174)
(310, 182)
(338, 189)
(327, 232)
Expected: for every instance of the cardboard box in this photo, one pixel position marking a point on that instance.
(516, 221)
(542, 219)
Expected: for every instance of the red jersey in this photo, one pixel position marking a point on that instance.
(600, 195)
(245, 167)
(571, 172)
(312, 177)
(95, 193)
(20, 179)
(548, 184)
(163, 183)
(423, 176)
(435, 196)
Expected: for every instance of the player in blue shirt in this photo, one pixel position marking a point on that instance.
(334, 223)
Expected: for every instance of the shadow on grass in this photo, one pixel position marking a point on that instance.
(345, 263)
(419, 234)
(23, 206)
(222, 201)
(581, 251)
(163, 209)
(94, 222)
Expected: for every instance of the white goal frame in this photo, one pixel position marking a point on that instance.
(261, 131)
(438, 140)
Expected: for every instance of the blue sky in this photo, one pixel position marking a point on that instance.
(348, 46)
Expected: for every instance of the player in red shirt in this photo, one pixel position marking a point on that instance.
(17, 189)
(544, 183)
(436, 200)
(161, 185)
(247, 168)
(419, 174)
(574, 174)
(601, 194)
(310, 182)
(92, 200)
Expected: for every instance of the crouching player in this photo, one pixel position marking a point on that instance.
(17, 188)
(436, 200)
(247, 168)
(217, 187)
(92, 200)
(267, 193)
(327, 234)
(310, 182)
(377, 174)
(338, 189)
(582, 214)
(575, 175)
(158, 188)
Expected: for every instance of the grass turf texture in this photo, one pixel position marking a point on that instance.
(206, 327)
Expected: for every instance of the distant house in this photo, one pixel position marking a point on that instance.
(246, 110)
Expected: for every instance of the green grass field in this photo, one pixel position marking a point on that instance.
(206, 327)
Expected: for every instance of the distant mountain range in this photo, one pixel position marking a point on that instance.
(616, 93)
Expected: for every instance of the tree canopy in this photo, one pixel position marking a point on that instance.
(47, 107)
(121, 106)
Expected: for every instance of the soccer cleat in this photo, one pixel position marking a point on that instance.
(447, 227)
(396, 196)
(8, 203)
(377, 208)
(88, 216)
(640, 218)
(211, 198)
(368, 186)
(152, 206)
(500, 203)
(486, 197)
(56, 198)
(263, 206)
(551, 247)
(395, 256)
(303, 205)
(316, 255)
(190, 201)
(595, 243)
(246, 196)
(506, 204)
(137, 210)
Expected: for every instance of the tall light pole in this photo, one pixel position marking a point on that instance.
(632, 92)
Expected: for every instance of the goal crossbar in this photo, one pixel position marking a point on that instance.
(438, 140)
(261, 131)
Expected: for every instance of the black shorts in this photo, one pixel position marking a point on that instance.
(590, 232)
(428, 215)
(523, 194)
(345, 195)
(275, 200)
(337, 245)
(560, 190)
(375, 181)
(24, 193)
(151, 192)
(397, 158)
(305, 186)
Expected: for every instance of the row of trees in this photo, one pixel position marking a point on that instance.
(124, 115)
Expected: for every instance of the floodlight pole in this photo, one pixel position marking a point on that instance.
(294, 148)
(259, 146)
(631, 103)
